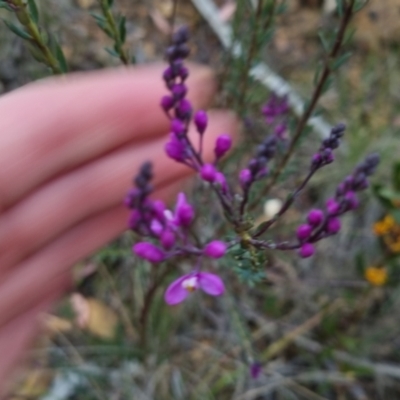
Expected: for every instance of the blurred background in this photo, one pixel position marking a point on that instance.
(325, 328)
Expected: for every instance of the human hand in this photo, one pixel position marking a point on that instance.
(69, 148)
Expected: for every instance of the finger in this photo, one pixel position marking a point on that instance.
(57, 124)
(48, 271)
(88, 190)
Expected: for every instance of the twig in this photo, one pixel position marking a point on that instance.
(315, 97)
(260, 72)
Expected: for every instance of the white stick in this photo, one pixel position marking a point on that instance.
(261, 72)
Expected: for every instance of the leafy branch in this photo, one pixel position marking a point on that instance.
(332, 62)
(115, 28)
(44, 48)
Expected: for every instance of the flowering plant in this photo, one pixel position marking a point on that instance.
(167, 232)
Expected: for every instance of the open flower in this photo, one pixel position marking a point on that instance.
(179, 289)
(376, 276)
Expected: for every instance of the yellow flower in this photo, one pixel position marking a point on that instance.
(384, 226)
(376, 276)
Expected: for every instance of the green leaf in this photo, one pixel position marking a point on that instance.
(17, 30)
(317, 73)
(340, 7)
(340, 61)
(33, 11)
(122, 29)
(98, 18)
(112, 52)
(36, 53)
(62, 62)
(384, 195)
(5, 5)
(110, 3)
(359, 4)
(327, 84)
(325, 41)
(396, 176)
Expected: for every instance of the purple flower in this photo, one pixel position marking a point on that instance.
(156, 227)
(255, 369)
(306, 250)
(158, 209)
(208, 173)
(245, 177)
(175, 149)
(149, 252)
(167, 239)
(304, 231)
(280, 130)
(134, 219)
(201, 121)
(184, 212)
(222, 145)
(221, 180)
(333, 225)
(177, 127)
(167, 102)
(215, 249)
(179, 289)
(332, 206)
(351, 200)
(315, 217)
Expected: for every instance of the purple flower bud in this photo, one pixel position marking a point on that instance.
(332, 206)
(245, 177)
(304, 231)
(149, 252)
(261, 173)
(179, 91)
(316, 159)
(168, 74)
(134, 219)
(341, 189)
(306, 250)
(167, 239)
(315, 217)
(158, 209)
(201, 121)
(167, 102)
(156, 227)
(175, 149)
(255, 370)
(184, 212)
(280, 130)
(184, 109)
(351, 200)
(183, 73)
(333, 225)
(131, 197)
(215, 249)
(208, 173)
(221, 180)
(222, 145)
(177, 127)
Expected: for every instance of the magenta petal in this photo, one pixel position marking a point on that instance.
(211, 284)
(175, 292)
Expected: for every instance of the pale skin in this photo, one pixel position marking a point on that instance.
(68, 150)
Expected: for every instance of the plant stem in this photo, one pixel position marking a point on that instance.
(144, 315)
(31, 27)
(315, 97)
(286, 205)
(119, 48)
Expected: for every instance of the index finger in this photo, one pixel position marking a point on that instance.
(52, 126)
